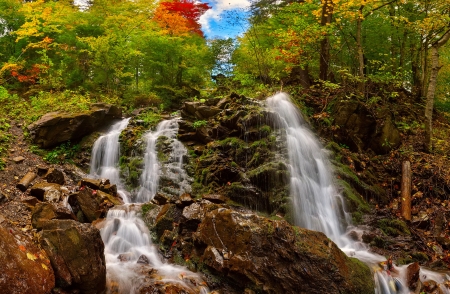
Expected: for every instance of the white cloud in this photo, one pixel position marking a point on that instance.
(217, 11)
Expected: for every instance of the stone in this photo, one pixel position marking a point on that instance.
(24, 267)
(257, 252)
(38, 190)
(3, 198)
(56, 127)
(143, 259)
(413, 275)
(160, 199)
(89, 204)
(76, 253)
(18, 159)
(208, 111)
(108, 197)
(30, 200)
(56, 176)
(215, 198)
(41, 170)
(186, 199)
(44, 212)
(52, 195)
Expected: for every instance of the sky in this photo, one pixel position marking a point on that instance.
(225, 19)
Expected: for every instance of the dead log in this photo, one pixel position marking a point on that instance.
(406, 190)
(25, 182)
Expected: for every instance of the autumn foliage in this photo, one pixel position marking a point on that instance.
(180, 17)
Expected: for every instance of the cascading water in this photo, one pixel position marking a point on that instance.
(172, 172)
(105, 157)
(316, 203)
(132, 261)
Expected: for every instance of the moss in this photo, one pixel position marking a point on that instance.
(420, 256)
(146, 208)
(354, 201)
(393, 227)
(360, 276)
(378, 242)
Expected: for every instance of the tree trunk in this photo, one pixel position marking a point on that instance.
(361, 84)
(26, 181)
(327, 14)
(406, 190)
(435, 67)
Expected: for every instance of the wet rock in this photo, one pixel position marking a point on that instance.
(38, 190)
(421, 221)
(56, 127)
(215, 198)
(429, 286)
(166, 218)
(108, 197)
(143, 259)
(223, 102)
(99, 184)
(18, 159)
(44, 212)
(24, 267)
(412, 275)
(191, 107)
(76, 253)
(41, 170)
(56, 176)
(123, 257)
(275, 257)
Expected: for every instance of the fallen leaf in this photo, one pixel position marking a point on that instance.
(31, 256)
(44, 266)
(22, 248)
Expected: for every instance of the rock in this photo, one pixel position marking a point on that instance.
(108, 197)
(3, 198)
(215, 198)
(223, 102)
(275, 257)
(444, 242)
(25, 182)
(24, 267)
(413, 275)
(190, 107)
(18, 159)
(124, 257)
(30, 200)
(38, 190)
(143, 259)
(56, 127)
(76, 252)
(160, 199)
(44, 212)
(56, 176)
(52, 195)
(99, 184)
(89, 204)
(41, 170)
(207, 111)
(186, 199)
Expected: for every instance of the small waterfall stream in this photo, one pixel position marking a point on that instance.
(132, 261)
(316, 202)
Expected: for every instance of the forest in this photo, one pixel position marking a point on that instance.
(371, 79)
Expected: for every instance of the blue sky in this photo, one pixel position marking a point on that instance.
(225, 19)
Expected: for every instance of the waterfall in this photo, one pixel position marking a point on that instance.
(318, 206)
(132, 261)
(314, 197)
(172, 172)
(105, 157)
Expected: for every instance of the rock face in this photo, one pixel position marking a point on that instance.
(56, 127)
(23, 267)
(76, 254)
(360, 129)
(249, 251)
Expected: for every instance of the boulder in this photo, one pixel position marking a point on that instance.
(89, 204)
(57, 127)
(274, 257)
(43, 212)
(76, 253)
(38, 190)
(56, 176)
(52, 195)
(24, 268)
(215, 198)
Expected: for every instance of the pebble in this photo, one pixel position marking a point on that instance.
(18, 159)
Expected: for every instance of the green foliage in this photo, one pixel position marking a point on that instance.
(393, 227)
(150, 118)
(146, 208)
(199, 123)
(63, 153)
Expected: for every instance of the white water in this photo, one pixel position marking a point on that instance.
(153, 170)
(105, 157)
(126, 237)
(317, 204)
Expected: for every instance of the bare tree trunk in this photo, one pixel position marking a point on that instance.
(406, 190)
(327, 14)
(435, 67)
(361, 84)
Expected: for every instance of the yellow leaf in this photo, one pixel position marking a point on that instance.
(31, 256)
(44, 266)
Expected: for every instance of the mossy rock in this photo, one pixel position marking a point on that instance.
(393, 227)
